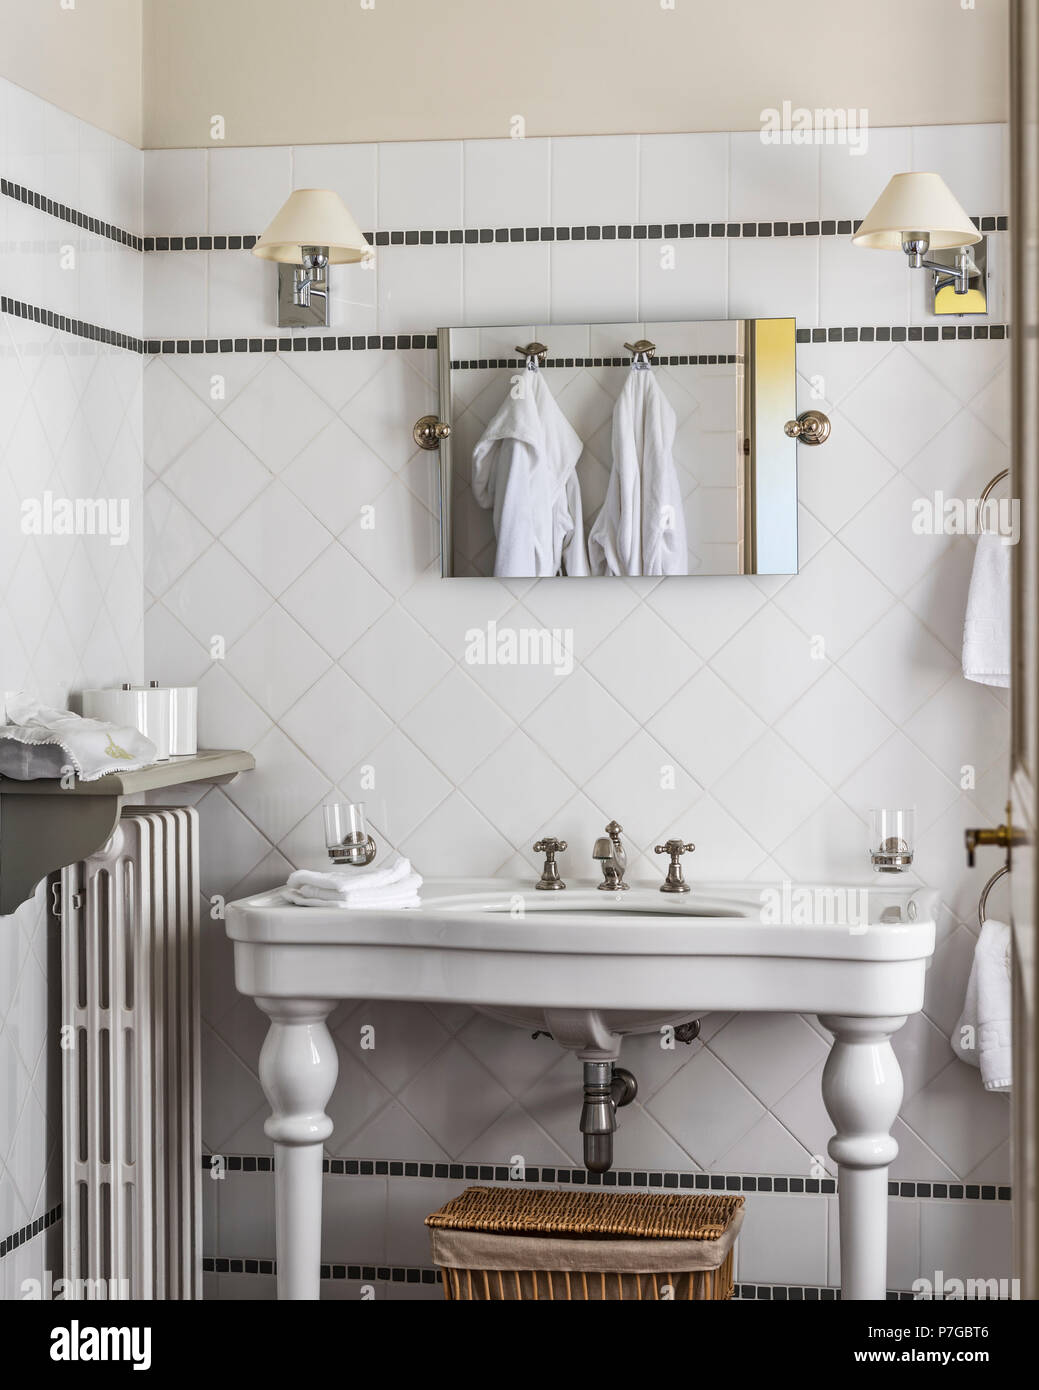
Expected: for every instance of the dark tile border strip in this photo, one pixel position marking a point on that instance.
(469, 236)
(19, 309)
(634, 1178)
(205, 242)
(703, 359)
(17, 191)
(420, 1274)
(639, 231)
(393, 342)
(893, 333)
(805, 1293)
(909, 333)
(387, 1274)
(28, 1232)
(796, 1293)
(403, 342)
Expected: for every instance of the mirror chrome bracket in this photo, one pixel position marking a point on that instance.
(810, 427)
(429, 431)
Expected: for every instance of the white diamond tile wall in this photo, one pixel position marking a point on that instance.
(71, 607)
(345, 666)
(783, 707)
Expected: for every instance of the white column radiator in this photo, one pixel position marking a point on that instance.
(130, 1059)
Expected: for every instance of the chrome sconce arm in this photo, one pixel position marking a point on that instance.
(958, 275)
(310, 279)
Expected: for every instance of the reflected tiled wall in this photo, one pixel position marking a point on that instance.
(345, 651)
(70, 606)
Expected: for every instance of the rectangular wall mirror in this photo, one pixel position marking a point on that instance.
(574, 453)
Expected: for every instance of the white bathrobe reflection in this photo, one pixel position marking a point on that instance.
(525, 468)
(641, 527)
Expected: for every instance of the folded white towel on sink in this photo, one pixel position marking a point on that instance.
(404, 895)
(391, 886)
(346, 879)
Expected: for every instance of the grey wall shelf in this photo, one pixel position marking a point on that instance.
(45, 826)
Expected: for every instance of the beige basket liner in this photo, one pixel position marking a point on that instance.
(490, 1250)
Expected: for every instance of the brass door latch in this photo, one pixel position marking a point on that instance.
(1005, 836)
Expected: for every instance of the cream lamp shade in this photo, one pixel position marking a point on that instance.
(920, 203)
(313, 217)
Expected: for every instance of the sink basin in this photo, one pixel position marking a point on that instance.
(583, 902)
(590, 966)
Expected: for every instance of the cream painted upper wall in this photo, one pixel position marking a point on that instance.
(82, 55)
(319, 71)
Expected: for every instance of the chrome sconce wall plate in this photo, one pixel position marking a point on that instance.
(313, 231)
(918, 215)
(303, 291)
(810, 427)
(950, 296)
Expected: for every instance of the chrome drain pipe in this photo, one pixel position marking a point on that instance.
(606, 1087)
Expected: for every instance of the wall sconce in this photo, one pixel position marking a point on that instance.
(917, 214)
(313, 230)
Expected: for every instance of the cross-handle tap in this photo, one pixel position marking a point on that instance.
(610, 852)
(674, 882)
(549, 847)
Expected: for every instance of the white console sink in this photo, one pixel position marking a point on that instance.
(589, 967)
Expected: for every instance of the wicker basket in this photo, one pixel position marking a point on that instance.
(504, 1244)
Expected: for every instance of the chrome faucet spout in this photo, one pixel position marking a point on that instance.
(610, 852)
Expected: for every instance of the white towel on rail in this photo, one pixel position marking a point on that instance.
(982, 1036)
(986, 628)
(641, 526)
(525, 468)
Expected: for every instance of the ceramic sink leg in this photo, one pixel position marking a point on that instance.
(298, 1070)
(862, 1089)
